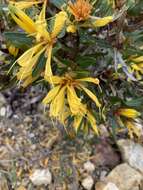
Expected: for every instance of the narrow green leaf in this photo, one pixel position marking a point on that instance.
(18, 39)
(40, 66)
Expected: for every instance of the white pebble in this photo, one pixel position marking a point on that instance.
(88, 182)
(89, 166)
(3, 111)
(41, 177)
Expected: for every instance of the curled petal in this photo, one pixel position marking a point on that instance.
(89, 79)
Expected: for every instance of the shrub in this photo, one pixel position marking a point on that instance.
(90, 55)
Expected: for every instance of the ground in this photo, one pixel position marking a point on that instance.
(30, 140)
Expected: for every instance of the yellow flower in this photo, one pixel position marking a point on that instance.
(129, 120)
(132, 129)
(81, 9)
(25, 4)
(71, 84)
(138, 70)
(63, 94)
(136, 66)
(79, 120)
(127, 112)
(44, 40)
(89, 119)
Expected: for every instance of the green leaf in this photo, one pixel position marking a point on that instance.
(87, 38)
(3, 7)
(137, 102)
(85, 61)
(59, 3)
(114, 126)
(136, 8)
(56, 48)
(40, 66)
(18, 39)
(115, 100)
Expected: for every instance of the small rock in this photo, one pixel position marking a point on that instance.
(2, 100)
(41, 177)
(132, 153)
(106, 186)
(27, 119)
(88, 182)
(89, 166)
(103, 130)
(103, 174)
(105, 155)
(3, 111)
(111, 186)
(123, 177)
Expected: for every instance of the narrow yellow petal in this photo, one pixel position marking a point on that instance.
(28, 81)
(57, 105)
(48, 70)
(51, 95)
(60, 20)
(92, 121)
(24, 21)
(127, 112)
(41, 25)
(26, 57)
(23, 25)
(64, 115)
(138, 59)
(102, 21)
(136, 67)
(77, 122)
(91, 95)
(132, 129)
(73, 100)
(89, 79)
(23, 73)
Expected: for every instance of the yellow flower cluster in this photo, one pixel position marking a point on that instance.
(44, 40)
(129, 115)
(62, 97)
